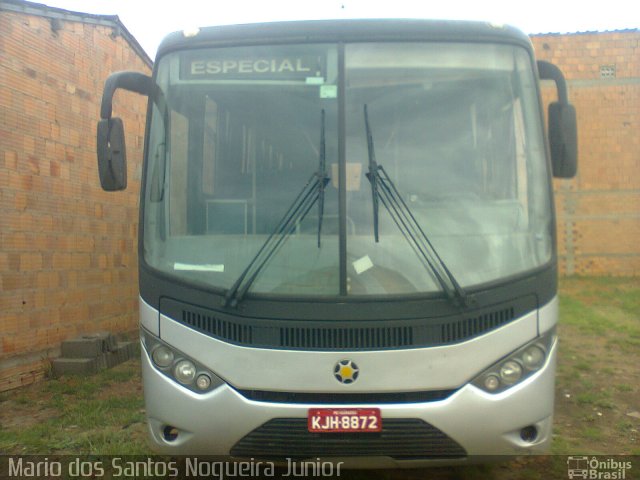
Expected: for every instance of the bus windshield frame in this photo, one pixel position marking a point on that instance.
(241, 129)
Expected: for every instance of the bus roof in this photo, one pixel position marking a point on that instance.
(331, 31)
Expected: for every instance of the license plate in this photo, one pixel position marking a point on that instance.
(328, 420)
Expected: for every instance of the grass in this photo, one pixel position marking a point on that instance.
(598, 380)
(624, 387)
(598, 384)
(592, 433)
(597, 399)
(80, 415)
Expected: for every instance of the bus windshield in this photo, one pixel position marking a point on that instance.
(240, 131)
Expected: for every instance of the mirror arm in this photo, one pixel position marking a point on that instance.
(132, 81)
(548, 71)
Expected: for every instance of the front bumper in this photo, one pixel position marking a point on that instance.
(482, 424)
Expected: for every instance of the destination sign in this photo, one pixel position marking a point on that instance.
(290, 67)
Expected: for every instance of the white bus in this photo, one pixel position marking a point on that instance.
(347, 240)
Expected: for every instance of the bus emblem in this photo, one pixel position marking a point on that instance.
(346, 371)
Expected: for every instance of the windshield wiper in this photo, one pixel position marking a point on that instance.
(322, 176)
(372, 175)
(312, 192)
(384, 191)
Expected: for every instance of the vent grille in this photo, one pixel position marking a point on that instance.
(227, 330)
(472, 327)
(345, 335)
(346, 338)
(282, 438)
(607, 71)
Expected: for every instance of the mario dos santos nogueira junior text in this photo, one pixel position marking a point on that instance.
(25, 467)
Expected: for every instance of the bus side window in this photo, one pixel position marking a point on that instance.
(228, 170)
(210, 142)
(178, 167)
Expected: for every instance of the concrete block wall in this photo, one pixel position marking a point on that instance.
(68, 250)
(599, 211)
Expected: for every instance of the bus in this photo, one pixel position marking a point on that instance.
(347, 243)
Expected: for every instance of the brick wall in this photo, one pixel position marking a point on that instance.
(599, 210)
(68, 261)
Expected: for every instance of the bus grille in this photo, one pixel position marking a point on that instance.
(340, 336)
(319, 398)
(474, 326)
(346, 338)
(405, 439)
(232, 331)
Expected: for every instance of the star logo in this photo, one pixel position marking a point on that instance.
(346, 371)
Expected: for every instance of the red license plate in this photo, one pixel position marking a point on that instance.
(328, 420)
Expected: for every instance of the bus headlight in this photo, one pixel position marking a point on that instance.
(178, 366)
(518, 366)
(510, 372)
(162, 356)
(185, 372)
(533, 357)
(203, 382)
(491, 383)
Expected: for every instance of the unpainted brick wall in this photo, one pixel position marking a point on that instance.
(68, 262)
(68, 250)
(599, 211)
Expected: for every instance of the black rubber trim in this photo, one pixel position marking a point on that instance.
(331, 335)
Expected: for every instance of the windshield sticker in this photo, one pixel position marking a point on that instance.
(300, 67)
(362, 265)
(219, 268)
(329, 91)
(314, 80)
(354, 176)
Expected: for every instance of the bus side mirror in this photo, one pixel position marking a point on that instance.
(112, 155)
(563, 140)
(110, 145)
(563, 129)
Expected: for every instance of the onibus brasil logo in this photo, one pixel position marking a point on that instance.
(594, 468)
